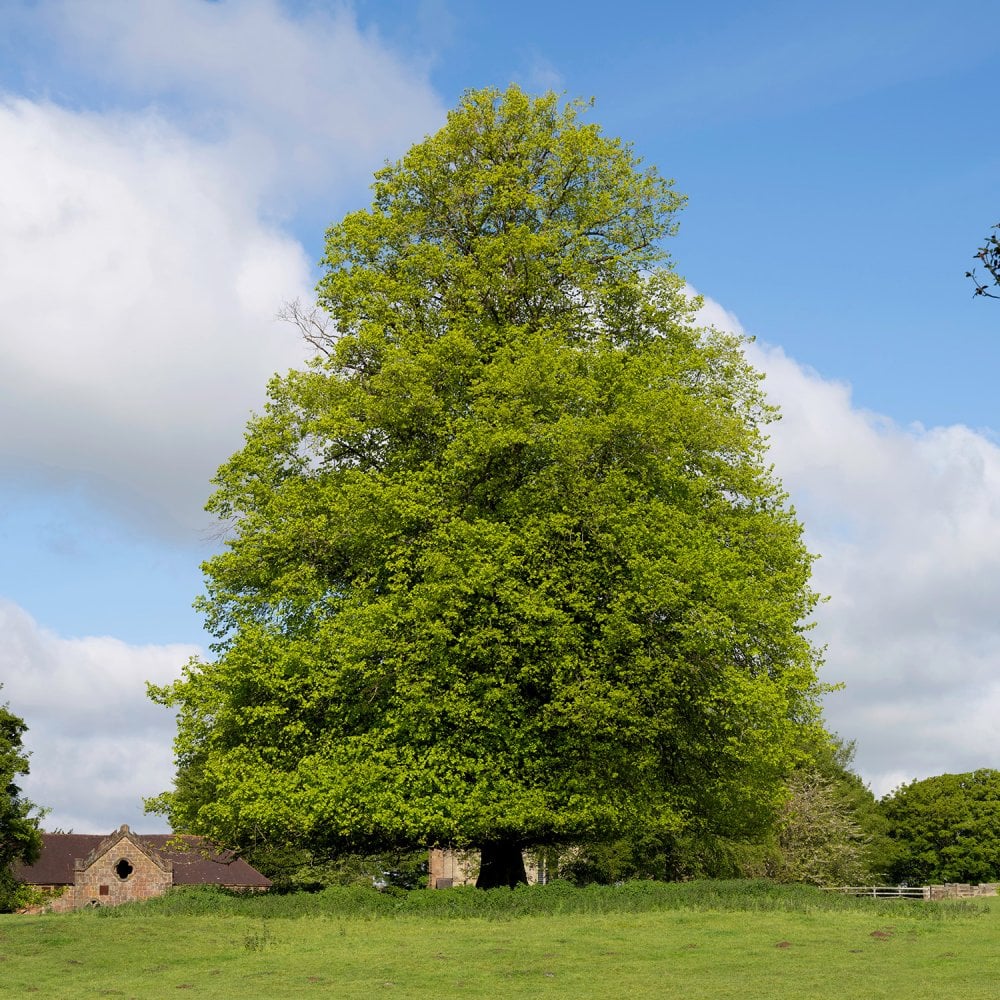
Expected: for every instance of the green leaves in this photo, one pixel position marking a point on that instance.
(945, 829)
(513, 214)
(989, 256)
(20, 839)
(506, 561)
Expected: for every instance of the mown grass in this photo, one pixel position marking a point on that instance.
(696, 940)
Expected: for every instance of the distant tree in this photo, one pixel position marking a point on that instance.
(989, 256)
(509, 566)
(833, 761)
(946, 828)
(820, 839)
(20, 838)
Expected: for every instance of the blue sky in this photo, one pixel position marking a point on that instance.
(170, 167)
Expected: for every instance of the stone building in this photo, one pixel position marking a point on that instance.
(81, 869)
(448, 867)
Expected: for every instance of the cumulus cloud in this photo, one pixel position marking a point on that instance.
(137, 310)
(906, 521)
(143, 268)
(309, 97)
(97, 744)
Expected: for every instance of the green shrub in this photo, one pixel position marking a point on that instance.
(559, 897)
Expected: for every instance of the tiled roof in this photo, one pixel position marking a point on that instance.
(195, 860)
(198, 862)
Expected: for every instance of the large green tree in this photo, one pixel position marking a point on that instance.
(946, 828)
(20, 839)
(507, 564)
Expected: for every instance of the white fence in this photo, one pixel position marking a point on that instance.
(883, 891)
(950, 890)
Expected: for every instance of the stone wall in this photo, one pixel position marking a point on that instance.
(962, 890)
(121, 872)
(447, 867)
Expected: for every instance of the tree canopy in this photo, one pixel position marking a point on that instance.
(946, 828)
(507, 564)
(20, 839)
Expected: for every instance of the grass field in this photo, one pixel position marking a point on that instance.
(706, 944)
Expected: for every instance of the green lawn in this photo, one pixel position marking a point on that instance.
(900, 950)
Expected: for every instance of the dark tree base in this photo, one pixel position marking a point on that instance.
(502, 865)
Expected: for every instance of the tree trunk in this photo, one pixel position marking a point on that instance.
(501, 864)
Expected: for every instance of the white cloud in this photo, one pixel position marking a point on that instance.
(310, 98)
(141, 274)
(137, 309)
(98, 745)
(906, 521)
(542, 75)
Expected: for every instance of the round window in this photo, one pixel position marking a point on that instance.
(123, 869)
